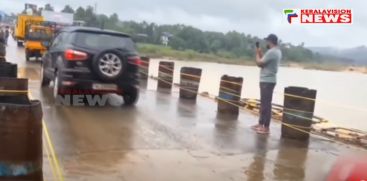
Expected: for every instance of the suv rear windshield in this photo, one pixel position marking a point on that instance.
(102, 41)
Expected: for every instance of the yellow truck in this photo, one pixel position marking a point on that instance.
(22, 23)
(35, 36)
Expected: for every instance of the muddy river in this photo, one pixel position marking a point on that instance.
(341, 96)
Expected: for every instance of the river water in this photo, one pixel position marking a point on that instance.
(341, 96)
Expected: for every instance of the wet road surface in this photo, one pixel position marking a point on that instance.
(164, 138)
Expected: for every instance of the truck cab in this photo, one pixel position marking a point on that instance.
(35, 35)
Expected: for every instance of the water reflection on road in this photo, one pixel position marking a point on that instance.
(165, 138)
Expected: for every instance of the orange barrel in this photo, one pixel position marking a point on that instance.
(165, 75)
(229, 95)
(189, 82)
(299, 106)
(20, 134)
(144, 68)
(8, 69)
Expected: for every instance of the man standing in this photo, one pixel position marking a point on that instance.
(269, 64)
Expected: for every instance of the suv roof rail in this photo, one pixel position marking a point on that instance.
(93, 30)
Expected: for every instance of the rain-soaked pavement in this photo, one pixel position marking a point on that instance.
(163, 138)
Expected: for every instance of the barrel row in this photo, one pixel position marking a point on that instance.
(299, 102)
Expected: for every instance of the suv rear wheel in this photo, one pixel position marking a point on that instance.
(130, 96)
(44, 80)
(57, 85)
(109, 65)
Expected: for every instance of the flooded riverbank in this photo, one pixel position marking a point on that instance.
(341, 96)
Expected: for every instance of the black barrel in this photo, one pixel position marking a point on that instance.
(165, 75)
(189, 82)
(144, 68)
(20, 134)
(299, 106)
(8, 69)
(229, 95)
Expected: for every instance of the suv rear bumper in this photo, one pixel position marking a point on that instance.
(83, 80)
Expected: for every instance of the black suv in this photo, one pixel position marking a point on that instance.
(92, 60)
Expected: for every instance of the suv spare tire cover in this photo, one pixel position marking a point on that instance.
(109, 65)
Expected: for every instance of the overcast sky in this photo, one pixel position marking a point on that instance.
(253, 17)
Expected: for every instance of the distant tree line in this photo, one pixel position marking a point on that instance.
(232, 44)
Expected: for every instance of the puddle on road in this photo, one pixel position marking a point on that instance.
(31, 73)
(198, 165)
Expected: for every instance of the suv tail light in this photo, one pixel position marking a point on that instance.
(135, 60)
(73, 55)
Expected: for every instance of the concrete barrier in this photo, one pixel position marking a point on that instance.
(21, 133)
(189, 82)
(229, 95)
(165, 75)
(299, 106)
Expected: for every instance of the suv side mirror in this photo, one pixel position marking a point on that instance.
(46, 44)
